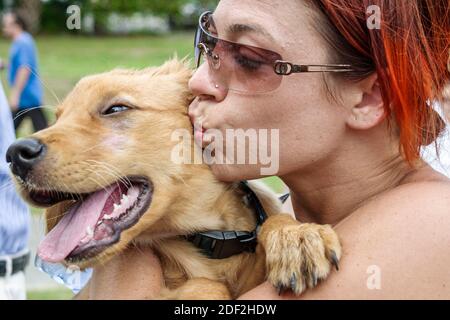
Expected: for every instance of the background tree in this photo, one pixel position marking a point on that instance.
(50, 15)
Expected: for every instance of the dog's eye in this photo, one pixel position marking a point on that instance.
(115, 109)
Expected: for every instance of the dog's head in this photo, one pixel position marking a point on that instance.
(106, 158)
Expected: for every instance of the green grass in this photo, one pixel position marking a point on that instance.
(58, 294)
(36, 211)
(275, 183)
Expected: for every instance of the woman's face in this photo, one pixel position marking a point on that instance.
(311, 126)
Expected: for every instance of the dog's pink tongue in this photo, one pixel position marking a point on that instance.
(68, 233)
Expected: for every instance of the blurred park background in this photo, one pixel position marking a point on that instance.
(77, 38)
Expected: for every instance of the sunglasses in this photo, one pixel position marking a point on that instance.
(243, 68)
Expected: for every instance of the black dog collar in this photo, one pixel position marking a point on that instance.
(224, 244)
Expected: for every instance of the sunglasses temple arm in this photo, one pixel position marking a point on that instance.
(321, 68)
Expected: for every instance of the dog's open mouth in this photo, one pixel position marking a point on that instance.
(94, 222)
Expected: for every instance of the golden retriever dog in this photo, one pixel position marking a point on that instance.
(105, 175)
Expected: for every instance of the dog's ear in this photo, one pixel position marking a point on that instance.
(180, 71)
(178, 67)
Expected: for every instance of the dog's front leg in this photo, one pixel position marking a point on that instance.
(197, 289)
(298, 254)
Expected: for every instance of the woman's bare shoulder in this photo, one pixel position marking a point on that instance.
(422, 198)
(395, 246)
(399, 243)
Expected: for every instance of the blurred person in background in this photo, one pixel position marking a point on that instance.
(26, 90)
(14, 218)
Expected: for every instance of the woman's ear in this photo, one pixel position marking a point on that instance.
(368, 111)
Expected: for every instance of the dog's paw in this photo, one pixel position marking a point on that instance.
(299, 255)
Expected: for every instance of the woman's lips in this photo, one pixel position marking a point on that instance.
(199, 132)
(198, 135)
(202, 138)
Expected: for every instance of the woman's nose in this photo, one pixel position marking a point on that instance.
(203, 85)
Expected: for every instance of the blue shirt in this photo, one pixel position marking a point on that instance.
(14, 214)
(23, 54)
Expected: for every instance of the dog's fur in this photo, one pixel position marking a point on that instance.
(86, 151)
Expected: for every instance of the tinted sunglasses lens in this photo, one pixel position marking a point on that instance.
(254, 69)
(234, 66)
(244, 68)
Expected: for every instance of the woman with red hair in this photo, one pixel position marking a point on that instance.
(350, 85)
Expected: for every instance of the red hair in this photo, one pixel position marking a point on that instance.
(409, 52)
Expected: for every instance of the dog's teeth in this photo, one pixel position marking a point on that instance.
(107, 217)
(89, 231)
(125, 201)
(116, 207)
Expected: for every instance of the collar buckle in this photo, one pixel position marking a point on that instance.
(224, 244)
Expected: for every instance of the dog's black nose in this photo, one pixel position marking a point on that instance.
(23, 155)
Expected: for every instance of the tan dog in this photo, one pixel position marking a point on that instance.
(105, 171)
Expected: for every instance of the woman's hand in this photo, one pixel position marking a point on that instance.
(133, 274)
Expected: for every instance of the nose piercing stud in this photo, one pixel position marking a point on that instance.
(217, 86)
